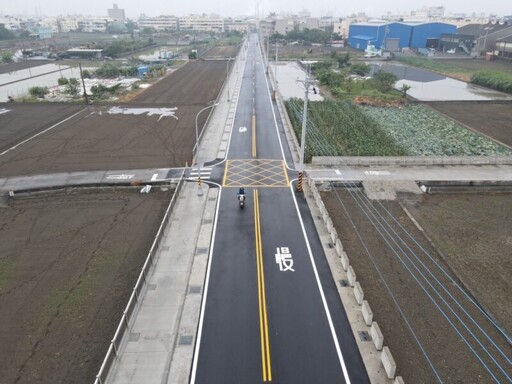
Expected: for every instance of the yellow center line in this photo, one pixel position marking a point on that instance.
(253, 134)
(262, 299)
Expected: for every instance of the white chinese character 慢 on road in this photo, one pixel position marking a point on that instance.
(284, 259)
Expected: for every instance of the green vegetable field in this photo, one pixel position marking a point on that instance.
(345, 129)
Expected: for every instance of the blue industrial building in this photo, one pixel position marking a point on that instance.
(397, 35)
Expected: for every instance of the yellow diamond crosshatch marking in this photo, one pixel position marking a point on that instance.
(255, 173)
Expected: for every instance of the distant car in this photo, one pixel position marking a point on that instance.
(451, 50)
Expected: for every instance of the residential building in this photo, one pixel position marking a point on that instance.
(93, 25)
(159, 23)
(116, 14)
(202, 23)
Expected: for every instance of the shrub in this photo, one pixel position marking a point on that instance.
(63, 81)
(499, 81)
(39, 92)
(360, 69)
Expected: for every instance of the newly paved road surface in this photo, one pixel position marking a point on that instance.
(271, 311)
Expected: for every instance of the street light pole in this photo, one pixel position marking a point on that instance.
(307, 82)
(199, 188)
(275, 71)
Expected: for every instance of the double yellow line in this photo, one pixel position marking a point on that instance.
(262, 300)
(253, 133)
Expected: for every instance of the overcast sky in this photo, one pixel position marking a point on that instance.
(134, 8)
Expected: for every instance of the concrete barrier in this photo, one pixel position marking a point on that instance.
(377, 337)
(344, 261)
(339, 247)
(330, 225)
(358, 293)
(351, 276)
(388, 362)
(334, 235)
(367, 313)
(399, 380)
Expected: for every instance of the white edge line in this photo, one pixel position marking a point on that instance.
(228, 145)
(40, 133)
(205, 292)
(275, 120)
(320, 289)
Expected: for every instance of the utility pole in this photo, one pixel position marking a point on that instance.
(268, 43)
(307, 82)
(83, 83)
(275, 71)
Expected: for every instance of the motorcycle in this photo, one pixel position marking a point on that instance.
(241, 201)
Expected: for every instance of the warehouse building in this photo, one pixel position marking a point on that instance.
(397, 35)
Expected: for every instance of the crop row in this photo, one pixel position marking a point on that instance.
(425, 132)
(346, 129)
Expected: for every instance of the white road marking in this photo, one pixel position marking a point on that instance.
(154, 177)
(337, 172)
(320, 289)
(40, 133)
(3, 110)
(120, 177)
(163, 112)
(377, 173)
(242, 129)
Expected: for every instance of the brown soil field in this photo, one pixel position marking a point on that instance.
(25, 120)
(491, 119)
(197, 83)
(13, 67)
(68, 263)
(389, 274)
(220, 52)
(97, 140)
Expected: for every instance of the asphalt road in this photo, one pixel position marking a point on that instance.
(270, 311)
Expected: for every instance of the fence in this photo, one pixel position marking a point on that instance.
(126, 318)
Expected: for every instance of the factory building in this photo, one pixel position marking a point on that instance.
(397, 35)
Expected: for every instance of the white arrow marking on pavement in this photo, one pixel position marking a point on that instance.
(155, 175)
(242, 129)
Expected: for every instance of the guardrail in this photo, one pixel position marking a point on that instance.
(126, 318)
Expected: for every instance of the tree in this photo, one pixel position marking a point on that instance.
(39, 92)
(343, 61)
(360, 69)
(404, 89)
(6, 34)
(6, 57)
(72, 87)
(384, 81)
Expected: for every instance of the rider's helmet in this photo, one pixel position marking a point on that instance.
(241, 191)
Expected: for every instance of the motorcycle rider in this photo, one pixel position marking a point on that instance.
(241, 193)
